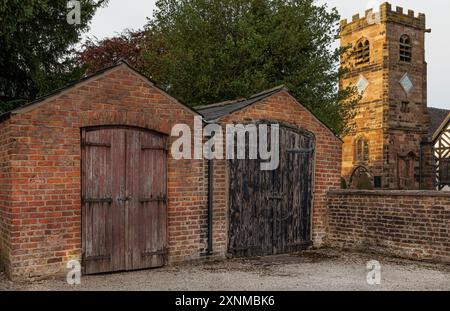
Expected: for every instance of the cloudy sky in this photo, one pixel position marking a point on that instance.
(132, 14)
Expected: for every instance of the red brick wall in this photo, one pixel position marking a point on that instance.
(45, 171)
(5, 197)
(411, 224)
(282, 107)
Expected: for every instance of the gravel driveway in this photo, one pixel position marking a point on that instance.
(312, 270)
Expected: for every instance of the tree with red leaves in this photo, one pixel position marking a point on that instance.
(99, 54)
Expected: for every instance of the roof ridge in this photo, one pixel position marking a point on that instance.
(235, 101)
(220, 104)
(276, 88)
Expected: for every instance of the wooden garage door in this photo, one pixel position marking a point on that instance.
(124, 199)
(270, 211)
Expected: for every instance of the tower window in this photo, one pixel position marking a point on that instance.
(362, 52)
(405, 107)
(362, 150)
(405, 48)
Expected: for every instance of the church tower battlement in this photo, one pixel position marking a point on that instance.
(386, 63)
(385, 14)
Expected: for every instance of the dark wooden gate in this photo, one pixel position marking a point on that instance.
(124, 199)
(270, 211)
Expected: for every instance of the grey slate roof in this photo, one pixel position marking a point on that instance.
(216, 111)
(437, 116)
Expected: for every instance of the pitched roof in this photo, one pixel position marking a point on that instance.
(437, 117)
(214, 112)
(219, 110)
(6, 115)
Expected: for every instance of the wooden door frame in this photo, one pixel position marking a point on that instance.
(297, 129)
(87, 129)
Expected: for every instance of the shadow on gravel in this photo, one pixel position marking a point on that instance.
(258, 264)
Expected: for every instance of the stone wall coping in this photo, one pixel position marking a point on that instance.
(387, 193)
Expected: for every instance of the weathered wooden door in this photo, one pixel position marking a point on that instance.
(124, 199)
(270, 211)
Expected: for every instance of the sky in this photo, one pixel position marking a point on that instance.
(133, 14)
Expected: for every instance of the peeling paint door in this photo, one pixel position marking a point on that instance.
(270, 211)
(124, 199)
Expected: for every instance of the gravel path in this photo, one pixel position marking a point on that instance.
(312, 270)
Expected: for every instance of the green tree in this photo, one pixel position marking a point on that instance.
(36, 47)
(205, 51)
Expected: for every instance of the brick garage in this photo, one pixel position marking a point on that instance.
(410, 224)
(41, 195)
(40, 201)
(277, 106)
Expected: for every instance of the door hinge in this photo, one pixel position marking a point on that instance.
(154, 199)
(97, 200)
(162, 252)
(276, 198)
(93, 144)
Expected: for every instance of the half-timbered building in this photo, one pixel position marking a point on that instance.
(440, 131)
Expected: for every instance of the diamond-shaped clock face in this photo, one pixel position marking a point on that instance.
(362, 84)
(406, 83)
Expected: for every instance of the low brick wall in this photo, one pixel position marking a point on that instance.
(410, 224)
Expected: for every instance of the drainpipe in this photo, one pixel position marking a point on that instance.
(210, 206)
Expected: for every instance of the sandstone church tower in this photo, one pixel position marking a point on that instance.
(386, 62)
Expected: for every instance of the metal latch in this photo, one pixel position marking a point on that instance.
(124, 200)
